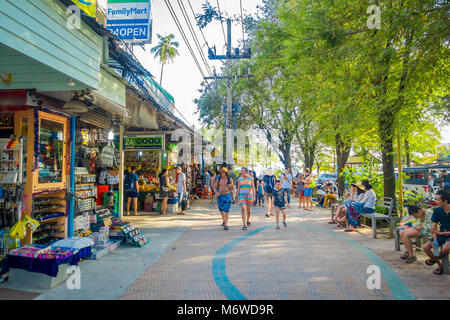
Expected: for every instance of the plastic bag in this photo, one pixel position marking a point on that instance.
(31, 223)
(18, 231)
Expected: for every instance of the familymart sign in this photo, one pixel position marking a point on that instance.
(130, 20)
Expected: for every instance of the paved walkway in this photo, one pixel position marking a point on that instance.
(308, 260)
(192, 257)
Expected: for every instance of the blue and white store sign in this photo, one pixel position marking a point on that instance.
(130, 20)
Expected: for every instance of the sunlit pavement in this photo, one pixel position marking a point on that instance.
(309, 260)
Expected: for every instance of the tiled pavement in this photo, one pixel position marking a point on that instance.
(308, 260)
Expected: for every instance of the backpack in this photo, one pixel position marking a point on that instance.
(128, 182)
(269, 187)
(108, 156)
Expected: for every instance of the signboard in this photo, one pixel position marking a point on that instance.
(130, 20)
(144, 142)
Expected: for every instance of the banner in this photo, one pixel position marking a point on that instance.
(129, 20)
(88, 6)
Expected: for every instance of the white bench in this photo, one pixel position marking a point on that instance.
(388, 205)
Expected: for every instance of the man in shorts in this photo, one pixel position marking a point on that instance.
(441, 215)
(224, 188)
(269, 184)
(131, 187)
(279, 201)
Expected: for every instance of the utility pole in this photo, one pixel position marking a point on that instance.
(229, 59)
(229, 112)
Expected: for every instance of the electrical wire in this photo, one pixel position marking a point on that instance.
(138, 81)
(177, 22)
(194, 36)
(201, 31)
(242, 18)
(220, 13)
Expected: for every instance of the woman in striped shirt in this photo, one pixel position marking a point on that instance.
(245, 192)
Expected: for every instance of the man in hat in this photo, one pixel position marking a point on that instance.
(224, 188)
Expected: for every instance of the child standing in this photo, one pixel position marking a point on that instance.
(279, 203)
(260, 193)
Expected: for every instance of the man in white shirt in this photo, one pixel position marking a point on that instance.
(181, 186)
(286, 184)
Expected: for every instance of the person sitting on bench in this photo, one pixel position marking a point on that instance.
(356, 194)
(411, 226)
(441, 215)
(330, 194)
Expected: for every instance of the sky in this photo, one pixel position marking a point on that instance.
(182, 78)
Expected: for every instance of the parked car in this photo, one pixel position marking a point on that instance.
(417, 179)
(324, 177)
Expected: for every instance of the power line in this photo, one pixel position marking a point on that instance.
(242, 18)
(203, 35)
(135, 78)
(194, 36)
(220, 13)
(177, 22)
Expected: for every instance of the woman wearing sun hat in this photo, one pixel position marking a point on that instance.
(366, 205)
(224, 187)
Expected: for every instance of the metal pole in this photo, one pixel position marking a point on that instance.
(400, 178)
(73, 121)
(121, 171)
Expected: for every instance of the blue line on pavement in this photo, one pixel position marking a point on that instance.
(219, 267)
(398, 287)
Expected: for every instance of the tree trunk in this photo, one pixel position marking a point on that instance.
(386, 127)
(343, 149)
(162, 70)
(408, 153)
(285, 149)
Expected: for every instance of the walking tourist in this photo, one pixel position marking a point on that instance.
(260, 194)
(131, 188)
(224, 188)
(164, 187)
(245, 192)
(308, 191)
(269, 184)
(286, 185)
(279, 201)
(300, 183)
(181, 187)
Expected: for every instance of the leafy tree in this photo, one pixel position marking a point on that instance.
(166, 50)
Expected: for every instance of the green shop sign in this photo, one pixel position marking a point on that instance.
(144, 143)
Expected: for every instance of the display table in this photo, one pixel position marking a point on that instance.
(49, 267)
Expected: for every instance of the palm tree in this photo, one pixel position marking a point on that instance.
(165, 50)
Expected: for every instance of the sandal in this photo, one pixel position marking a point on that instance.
(438, 271)
(332, 222)
(430, 262)
(411, 259)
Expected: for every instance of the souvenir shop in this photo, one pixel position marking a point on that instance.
(149, 154)
(58, 194)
